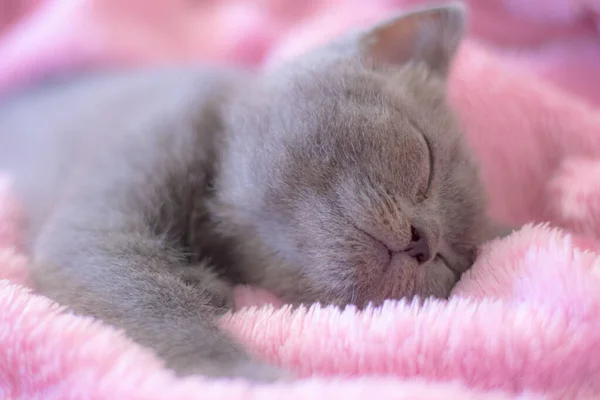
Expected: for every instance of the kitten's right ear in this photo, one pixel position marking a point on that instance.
(430, 35)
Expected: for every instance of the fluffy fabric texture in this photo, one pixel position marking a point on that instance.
(523, 323)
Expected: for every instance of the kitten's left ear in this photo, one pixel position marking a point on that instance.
(430, 35)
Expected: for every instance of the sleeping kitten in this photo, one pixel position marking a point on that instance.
(340, 177)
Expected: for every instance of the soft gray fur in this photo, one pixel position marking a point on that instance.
(150, 193)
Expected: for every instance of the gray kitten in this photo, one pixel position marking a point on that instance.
(340, 177)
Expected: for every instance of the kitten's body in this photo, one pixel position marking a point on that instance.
(136, 158)
(43, 139)
(316, 181)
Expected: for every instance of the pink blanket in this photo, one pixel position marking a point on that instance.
(524, 323)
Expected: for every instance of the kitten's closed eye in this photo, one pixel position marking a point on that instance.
(422, 195)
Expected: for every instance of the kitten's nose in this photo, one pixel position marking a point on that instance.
(419, 247)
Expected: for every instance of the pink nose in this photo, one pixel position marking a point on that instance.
(418, 248)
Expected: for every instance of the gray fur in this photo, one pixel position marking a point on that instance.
(149, 194)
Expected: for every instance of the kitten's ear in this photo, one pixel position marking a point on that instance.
(430, 35)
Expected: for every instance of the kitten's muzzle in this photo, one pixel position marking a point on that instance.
(420, 248)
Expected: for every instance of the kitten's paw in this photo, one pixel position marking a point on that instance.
(219, 292)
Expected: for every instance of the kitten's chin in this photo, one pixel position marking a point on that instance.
(435, 279)
(371, 286)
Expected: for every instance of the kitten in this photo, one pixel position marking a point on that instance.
(340, 177)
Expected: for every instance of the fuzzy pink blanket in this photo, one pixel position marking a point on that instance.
(523, 323)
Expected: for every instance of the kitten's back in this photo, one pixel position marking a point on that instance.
(46, 131)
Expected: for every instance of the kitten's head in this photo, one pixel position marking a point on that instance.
(347, 172)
